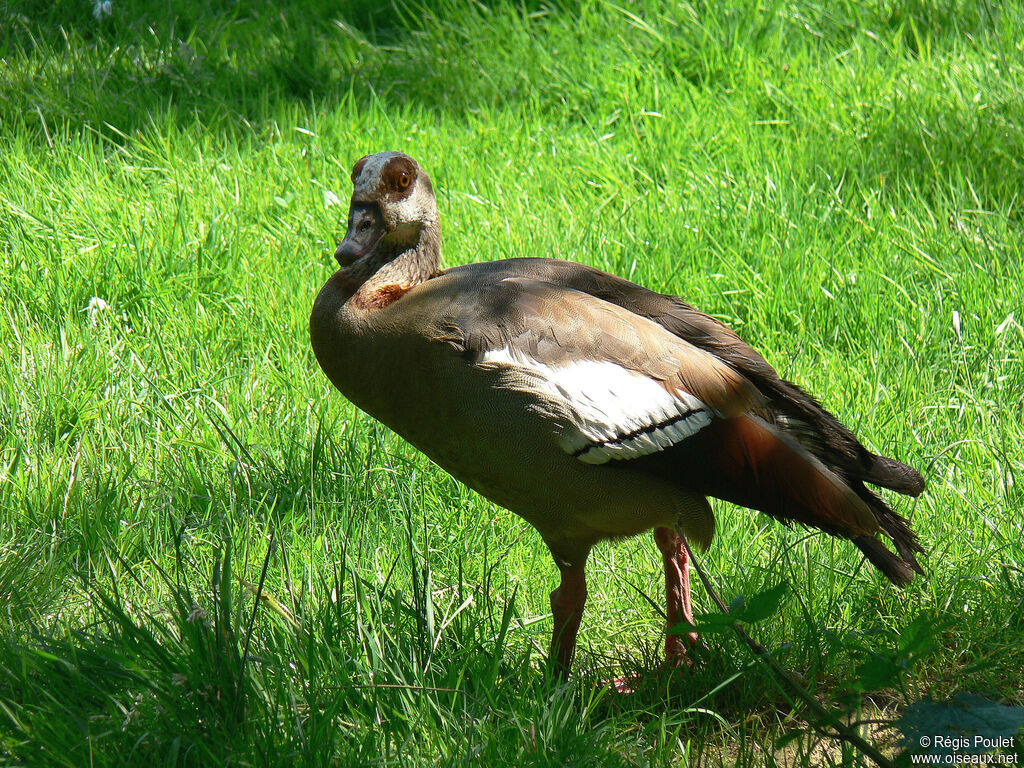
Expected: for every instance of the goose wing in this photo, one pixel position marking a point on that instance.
(789, 406)
(615, 385)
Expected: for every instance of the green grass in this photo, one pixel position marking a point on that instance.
(839, 182)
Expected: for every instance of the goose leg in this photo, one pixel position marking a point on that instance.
(677, 593)
(567, 603)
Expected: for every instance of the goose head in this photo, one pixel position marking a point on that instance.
(393, 212)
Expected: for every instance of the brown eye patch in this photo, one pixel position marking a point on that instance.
(399, 175)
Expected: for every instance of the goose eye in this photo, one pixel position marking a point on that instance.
(404, 180)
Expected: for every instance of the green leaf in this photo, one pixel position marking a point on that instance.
(917, 639)
(706, 623)
(743, 609)
(738, 605)
(764, 604)
(968, 723)
(877, 673)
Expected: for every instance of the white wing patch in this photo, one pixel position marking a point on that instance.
(615, 413)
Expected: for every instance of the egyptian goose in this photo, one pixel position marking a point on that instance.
(590, 406)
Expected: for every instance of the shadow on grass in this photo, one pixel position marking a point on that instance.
(74, 65)
(216, 63)
(236, 63)
(934, 149)
(201, 676)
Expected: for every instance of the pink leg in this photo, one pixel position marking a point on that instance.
(677, 593)
(567, 607)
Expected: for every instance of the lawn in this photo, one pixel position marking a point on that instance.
(209, 557)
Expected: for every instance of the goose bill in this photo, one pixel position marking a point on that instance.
(365, 229)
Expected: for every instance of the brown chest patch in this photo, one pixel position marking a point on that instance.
(378, 298)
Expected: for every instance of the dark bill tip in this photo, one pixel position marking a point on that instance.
(348, 251)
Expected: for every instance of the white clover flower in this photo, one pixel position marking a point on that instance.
(95, 307)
